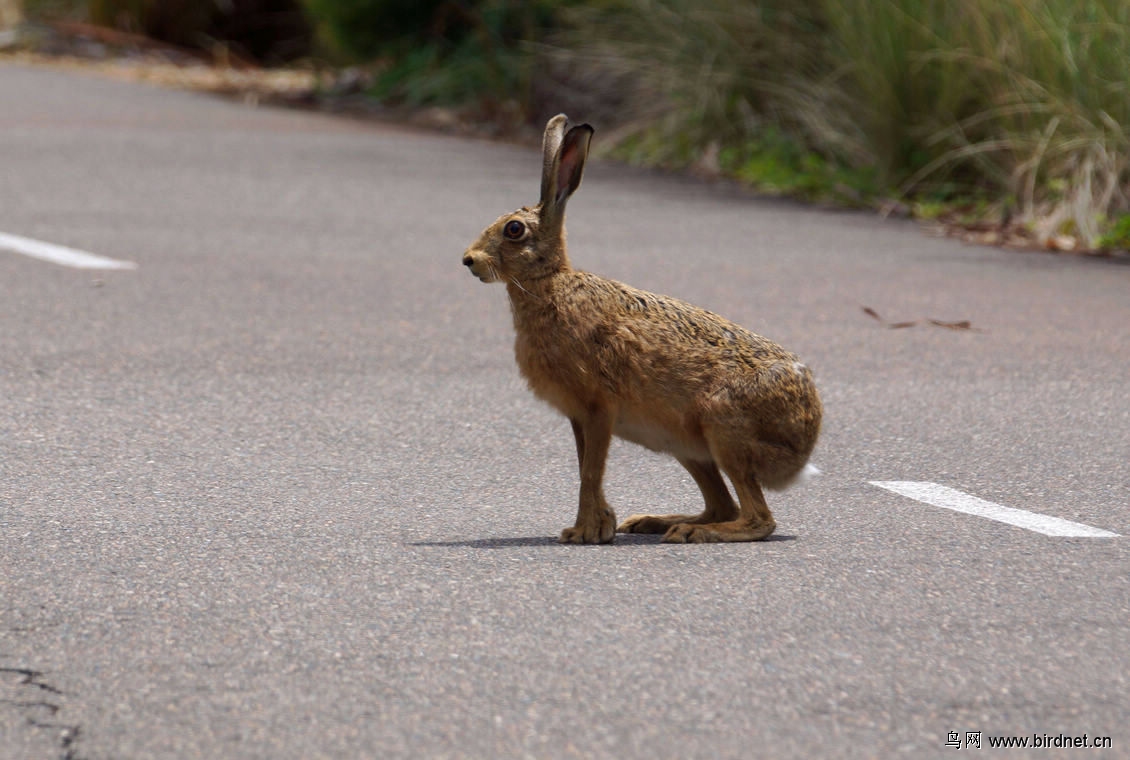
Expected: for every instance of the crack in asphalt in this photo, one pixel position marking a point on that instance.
(31, 678)
(32, 709)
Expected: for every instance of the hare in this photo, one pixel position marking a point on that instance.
(647, 368)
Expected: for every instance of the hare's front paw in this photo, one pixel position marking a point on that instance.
(595, 531)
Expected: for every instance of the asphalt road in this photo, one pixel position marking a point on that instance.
(279, 492)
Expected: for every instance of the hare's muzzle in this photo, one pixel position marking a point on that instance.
(480, 265)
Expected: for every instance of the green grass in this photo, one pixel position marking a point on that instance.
(779, 164)
(433, 52)
(1117, 235)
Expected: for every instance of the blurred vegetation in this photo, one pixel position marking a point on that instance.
(265, 31)
(366, 28)
(1008, 110)
(441, 52)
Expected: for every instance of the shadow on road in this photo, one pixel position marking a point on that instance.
(622, 539)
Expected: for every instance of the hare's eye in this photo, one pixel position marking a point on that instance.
(513, 229)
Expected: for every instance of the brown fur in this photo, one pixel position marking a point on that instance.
(648, 368)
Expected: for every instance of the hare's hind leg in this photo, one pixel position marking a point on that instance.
(720, 506)
(754, 522)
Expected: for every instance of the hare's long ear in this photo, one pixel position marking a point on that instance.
(550, 145)
(564, 163)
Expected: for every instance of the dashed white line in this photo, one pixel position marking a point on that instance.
(60, 254)
(950, 498)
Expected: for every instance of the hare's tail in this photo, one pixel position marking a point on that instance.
(801, 477)
(807, 473)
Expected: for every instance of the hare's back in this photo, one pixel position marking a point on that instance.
(679, 329)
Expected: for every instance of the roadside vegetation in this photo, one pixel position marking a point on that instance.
(1009, 118)
(1006, 115)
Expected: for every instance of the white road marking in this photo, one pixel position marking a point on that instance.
(60, 254)
(949, 498)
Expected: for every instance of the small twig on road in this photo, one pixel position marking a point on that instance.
(963, 324)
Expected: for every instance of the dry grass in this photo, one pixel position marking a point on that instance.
(251, 84)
